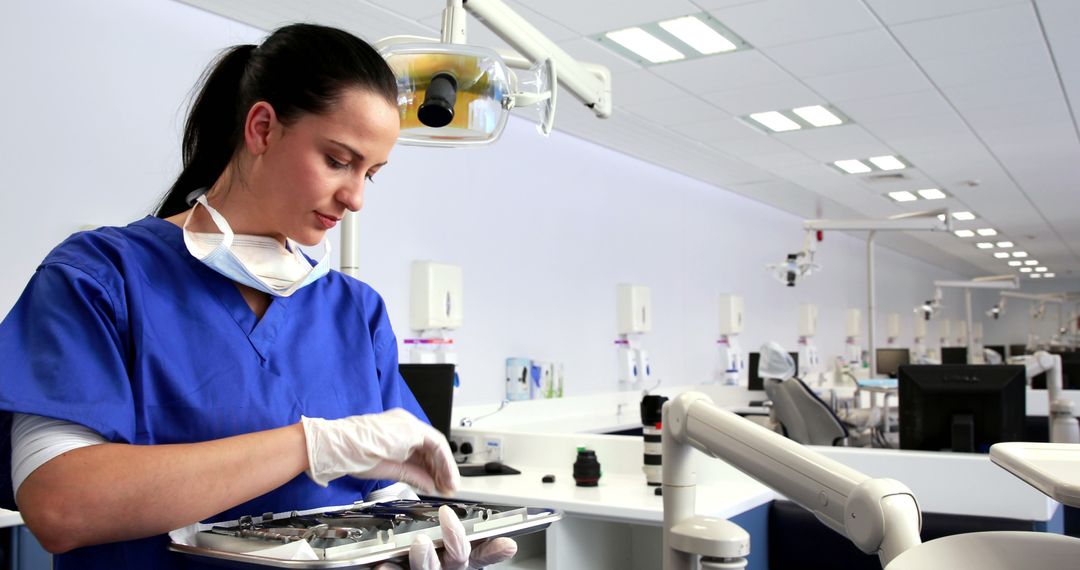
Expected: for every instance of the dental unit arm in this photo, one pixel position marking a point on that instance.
(879, 515)
(1063, 424)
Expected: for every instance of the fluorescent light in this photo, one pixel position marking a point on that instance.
(698, 35)
(1001, 255)
(1025, 270)
(903, 196)
(1040, 269)
(778, 123)
(1048, 275)
(964, 233)
(1014, 264)
(887, 162)
(852, 166)
(1036, 275)
(935, 194)
(987, 231)
(941, 217)
(645, 44)
(1030, 262)
(1019, 254)
(1004, 244)
(962, 216)
(985, 245)
(817, 115)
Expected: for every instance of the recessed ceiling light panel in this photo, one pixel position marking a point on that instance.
(645, 45)
(696, 34)
(986, 231)
(935, 194)
(902, 196)
(852, 166)
(775, 121)
(817, 116)
(964, 233)
(985, 245)
(887, 162)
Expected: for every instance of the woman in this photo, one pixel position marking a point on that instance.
(194, 365)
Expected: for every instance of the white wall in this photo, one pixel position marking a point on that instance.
(544, 228)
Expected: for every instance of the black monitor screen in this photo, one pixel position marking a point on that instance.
(998, 348)
(433, 386)
(1017, 349)
(755, 381)
(954, 355)
(961, 407)
(889, 360)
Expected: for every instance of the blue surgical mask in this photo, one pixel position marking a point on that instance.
(259, 262)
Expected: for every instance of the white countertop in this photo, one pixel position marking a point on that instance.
(624, 498)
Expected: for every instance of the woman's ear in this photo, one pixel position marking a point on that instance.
(258, 125)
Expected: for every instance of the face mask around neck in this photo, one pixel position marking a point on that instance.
(259, 262)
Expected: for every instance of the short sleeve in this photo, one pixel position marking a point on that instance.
(64, 353)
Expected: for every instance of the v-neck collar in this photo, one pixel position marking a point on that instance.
(260, 332)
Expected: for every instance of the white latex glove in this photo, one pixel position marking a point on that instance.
(458, 554)
(389, 445)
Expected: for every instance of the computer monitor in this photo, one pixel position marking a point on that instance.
(433, 387)
(890, 359)
(755, 382)
(1017, 350)
(961, 407)
(954, 355)
(998, 348)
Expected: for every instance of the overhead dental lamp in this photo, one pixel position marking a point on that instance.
(451, 93)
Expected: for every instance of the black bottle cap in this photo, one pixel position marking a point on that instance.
(548, 479)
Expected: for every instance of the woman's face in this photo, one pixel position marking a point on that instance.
(307, 174)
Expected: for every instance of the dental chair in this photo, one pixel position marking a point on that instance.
(804, 417)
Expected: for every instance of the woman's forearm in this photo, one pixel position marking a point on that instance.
(113, 492)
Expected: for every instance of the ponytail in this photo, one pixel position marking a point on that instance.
(212, 132)
(298, 69)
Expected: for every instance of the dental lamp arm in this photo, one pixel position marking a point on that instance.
(1064, 427)
(591, 84)
(878, 515)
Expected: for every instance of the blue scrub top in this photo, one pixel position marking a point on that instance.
(123, 331)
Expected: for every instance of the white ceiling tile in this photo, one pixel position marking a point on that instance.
(714, 4)
(897, 12)
(767, 97)
(366, 20)
(642, 86)
(479, 34)
(965, 145)
(1053, 110)
(837, 54)
(780, 160)
(781, 194)
(970, 32)
(719, 130)
(843, 136)
(723, 72)
(900, 106)
(685, 109)
(762, 144)
(775, 22)
(415, 9)
(945, 125)
(587, 50)
(1032, 89)
(830, 154)
(868, 83)
(597, 16)
(1013, 62)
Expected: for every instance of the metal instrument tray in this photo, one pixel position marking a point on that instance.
(357, 537)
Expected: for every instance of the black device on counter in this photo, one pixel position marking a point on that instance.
(586, 468)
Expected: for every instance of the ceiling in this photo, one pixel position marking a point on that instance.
(979, 96)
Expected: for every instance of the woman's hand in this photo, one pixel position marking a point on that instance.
(389, 445)
(458, 553)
